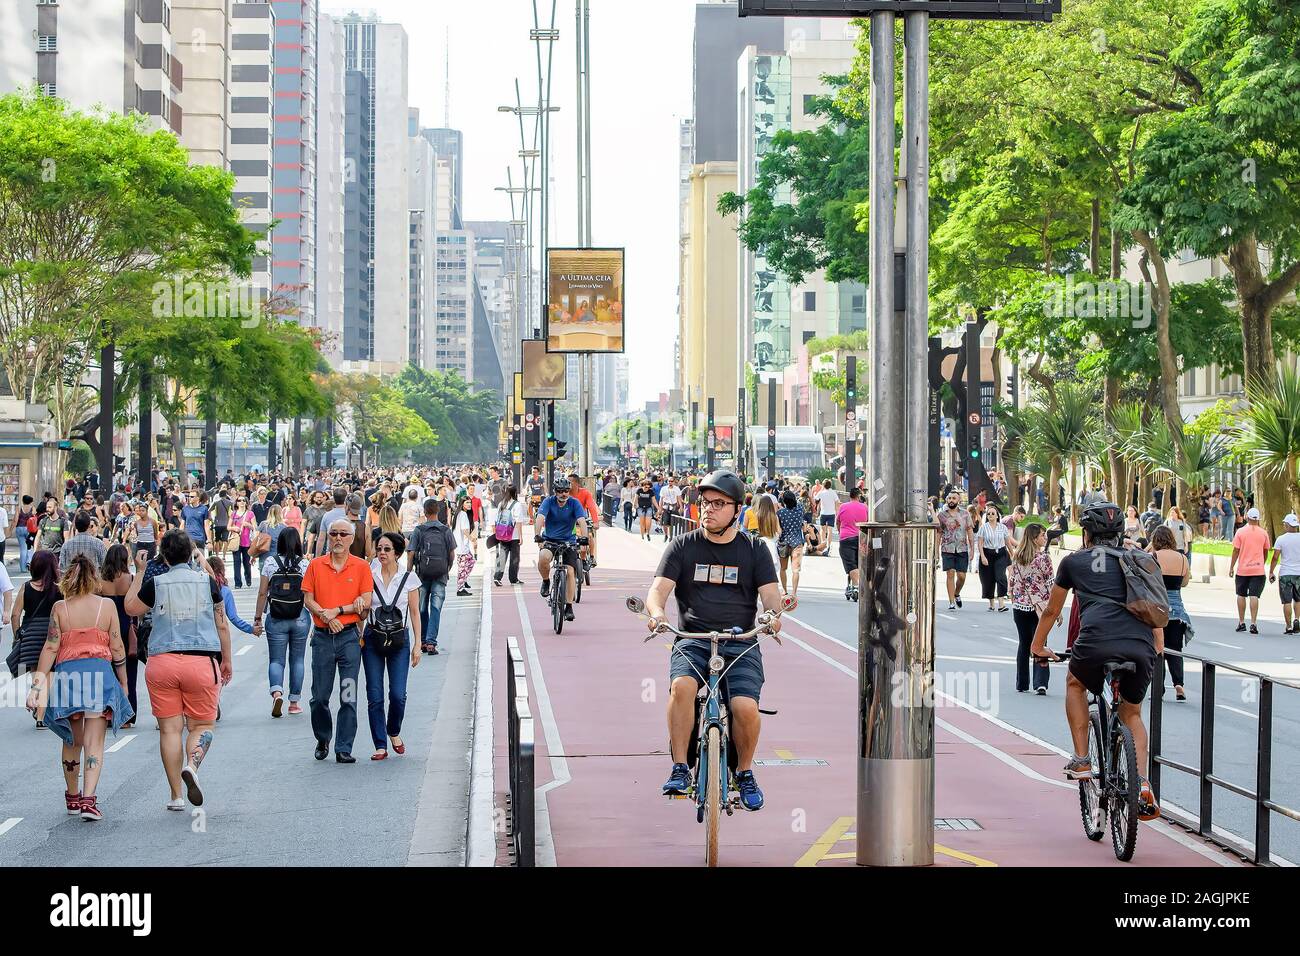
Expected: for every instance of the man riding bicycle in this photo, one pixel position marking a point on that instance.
(720, 575)
(1107, 632)
(536, 490)
(560, 520)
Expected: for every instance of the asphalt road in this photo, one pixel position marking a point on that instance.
(267, 801)
(976, 650)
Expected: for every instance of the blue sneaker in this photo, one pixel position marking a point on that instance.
(751, 798)
(679, 782)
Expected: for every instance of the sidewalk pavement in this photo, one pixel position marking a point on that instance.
(598, 695)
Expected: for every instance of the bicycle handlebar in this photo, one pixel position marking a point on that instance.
(763, 626)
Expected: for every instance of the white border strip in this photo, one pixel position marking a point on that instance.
(480, 843)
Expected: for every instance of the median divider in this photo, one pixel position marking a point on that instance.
(521, 815)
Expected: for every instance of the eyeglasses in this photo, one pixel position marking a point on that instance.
(340, 534)
(384, 550)
(709, 504)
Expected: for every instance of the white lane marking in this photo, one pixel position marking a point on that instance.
(121, 743)
(559, 764)
(1221, 644)
(1158, 826)
(243, 650)
(481, 847)
(948, 617)
(9, 824)
(1238, 710)
(977, 660)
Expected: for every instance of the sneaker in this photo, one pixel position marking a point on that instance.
(178, 804)
(1241, 628)
(1079, 768)
(277, 706)
(679, 781)
(295, 707)
(90, 810)
(73, 801)
(568, 612)
(463, 592)
(751, 798)
(546, 588)
(1041, 691)
(1147, 809)
(190, 777)
(952, 606)
(959, 600)
(1254, 629)
(848, 592)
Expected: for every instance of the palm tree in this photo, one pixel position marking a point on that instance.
(1202, 454)
(1270, 430)
(1063, 433)
(1125, 427)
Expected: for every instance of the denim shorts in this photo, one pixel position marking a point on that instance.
(744, 678)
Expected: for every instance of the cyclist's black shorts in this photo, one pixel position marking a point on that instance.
(570, 556)
(1089, 656)
(744, 678)
(849, 552)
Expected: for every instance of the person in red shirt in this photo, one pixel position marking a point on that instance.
(337, 589)
(1249, 548)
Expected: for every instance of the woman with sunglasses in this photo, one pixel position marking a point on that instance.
(243, 524)
(991, 540)
(645, 506)
(396, 594)
(291, 512)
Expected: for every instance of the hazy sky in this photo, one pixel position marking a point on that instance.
(641, 90)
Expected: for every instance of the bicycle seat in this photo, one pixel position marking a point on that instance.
(1120, 667)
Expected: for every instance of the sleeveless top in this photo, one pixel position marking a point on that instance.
(144, 532)
(1173, 582)
(81, 643)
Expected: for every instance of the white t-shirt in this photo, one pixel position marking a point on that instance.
(829, 501)
(6, 585)
(4, 521)
(669, 495)
(462, 532)
(1288, 546)
(389, 591)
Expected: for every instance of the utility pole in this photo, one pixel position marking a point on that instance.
(711, 439)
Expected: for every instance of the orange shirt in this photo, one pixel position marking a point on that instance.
(332, 589)
(588, 503)
(1251, 543)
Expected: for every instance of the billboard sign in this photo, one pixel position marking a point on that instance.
(584, 300)
(942, 9)
(519, 393)
(722, 439)
(544, 372)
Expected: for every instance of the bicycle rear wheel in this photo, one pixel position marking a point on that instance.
(1123, 789)
(715, 762)
(1092, 800)
(577, 591)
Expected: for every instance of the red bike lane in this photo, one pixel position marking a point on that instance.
(598, 698)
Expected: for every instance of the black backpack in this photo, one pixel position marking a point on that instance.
(431, 560)
(387, 621)
(285, 590)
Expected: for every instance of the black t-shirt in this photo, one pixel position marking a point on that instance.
(717, 584)
(1093, 572)
(260, 510)
(645, 499)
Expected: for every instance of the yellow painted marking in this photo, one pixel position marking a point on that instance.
(839, 832)
(834, 833)
(785, 754)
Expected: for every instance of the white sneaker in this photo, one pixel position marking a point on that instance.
(190, 776)
(951, 606)
(177, 804)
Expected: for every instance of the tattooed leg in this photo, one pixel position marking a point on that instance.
(200, 750)
(71, 769)
(96, 727)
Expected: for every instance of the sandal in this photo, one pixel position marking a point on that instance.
(379, 755)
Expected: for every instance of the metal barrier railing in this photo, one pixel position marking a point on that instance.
(1265, 806)
(519, 729)
(680, 524)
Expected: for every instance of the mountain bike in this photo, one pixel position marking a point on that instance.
(584, 561)
(711, 753)
(559, 582)
(1115, 786)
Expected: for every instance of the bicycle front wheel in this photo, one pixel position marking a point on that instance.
(715, 761)
(557, 605)
(1123, 788)
(1092, 801)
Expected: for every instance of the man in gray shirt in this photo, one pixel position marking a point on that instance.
(337, 513)
(83, 543)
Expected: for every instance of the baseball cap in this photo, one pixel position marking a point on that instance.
(1252, 514)
(1292, 520)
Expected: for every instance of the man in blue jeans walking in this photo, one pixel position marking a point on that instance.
(337, 589)
(431, 556)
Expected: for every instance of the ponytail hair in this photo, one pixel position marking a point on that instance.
(80, 578)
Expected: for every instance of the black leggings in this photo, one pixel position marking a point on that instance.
(512, 549)
(1175, 632)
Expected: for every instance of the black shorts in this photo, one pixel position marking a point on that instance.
(570, 556)
(221, 534)
(744, 678)
(1288, 588)
(849, 553)
(956, 561)
(1089, 656)
(1250, 585)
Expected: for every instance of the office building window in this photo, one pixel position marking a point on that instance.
(810, 301)
(47, 43)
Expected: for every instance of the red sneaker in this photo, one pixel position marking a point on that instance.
(73, 800)
(90, 810)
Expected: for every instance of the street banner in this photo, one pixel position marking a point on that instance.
(584, 303)
(722, 442)
(519, 393)
(544, 372)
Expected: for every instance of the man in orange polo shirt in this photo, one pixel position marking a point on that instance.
(588, 502)
(336, 589)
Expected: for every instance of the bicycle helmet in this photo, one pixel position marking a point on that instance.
(1104, 519)
(726, 483)
(561, 484)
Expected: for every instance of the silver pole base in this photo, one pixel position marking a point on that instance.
(895, 812)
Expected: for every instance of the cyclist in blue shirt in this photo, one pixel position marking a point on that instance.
(560, 520)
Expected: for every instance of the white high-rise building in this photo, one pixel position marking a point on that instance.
(252, 75)
(423, 265)
(202, 42)
(329, 188)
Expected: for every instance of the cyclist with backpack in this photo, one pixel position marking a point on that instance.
(431, 556)
(387, 645)
(1112, 587)
(282, 616)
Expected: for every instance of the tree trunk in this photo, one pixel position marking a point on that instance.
(296, 456)
(1094, 239)
(1054, 484)
(272, 448)
(210, 427)
(1118, 477)
(144, 466)
(107, 396)
(1164, 347)
(1144, 490)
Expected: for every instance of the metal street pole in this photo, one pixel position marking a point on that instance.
(712, 441)
(771, 428)
(896, 613)
(850, 421)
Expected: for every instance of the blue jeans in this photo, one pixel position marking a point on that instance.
(24, 552)
(285, 637)
(432, 594)
(341, 651)
(398, 664)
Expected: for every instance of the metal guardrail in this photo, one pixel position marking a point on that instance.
(521, 819)
(1265, 806)
(680, 524)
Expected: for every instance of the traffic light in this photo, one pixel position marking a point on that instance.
(560, 448)
(973, 442)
